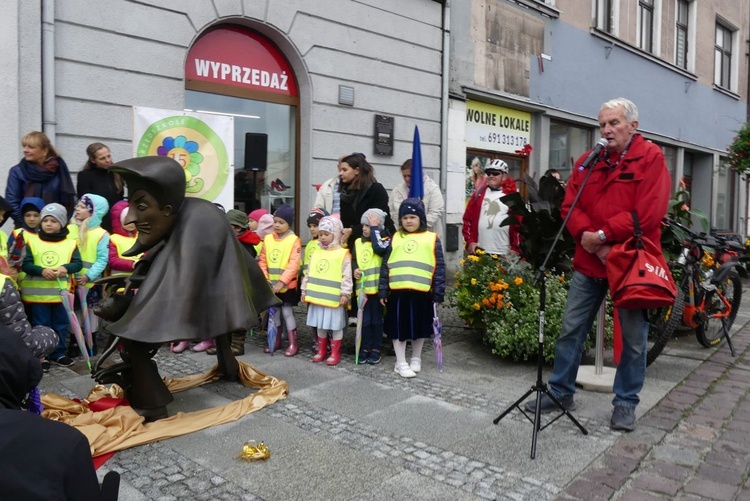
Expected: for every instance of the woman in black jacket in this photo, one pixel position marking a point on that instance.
(96, 178)
(358, 192)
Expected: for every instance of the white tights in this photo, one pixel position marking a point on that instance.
(335, 335)
(288, 313)
(400, 348)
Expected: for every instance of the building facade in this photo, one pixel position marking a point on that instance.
(306, 82)
(538, 71)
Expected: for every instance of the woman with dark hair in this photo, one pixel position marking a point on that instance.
(358, 192)
(40, 173)
(96, 178)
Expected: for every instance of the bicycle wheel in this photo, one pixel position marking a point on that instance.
(710, 330)
(662, 324)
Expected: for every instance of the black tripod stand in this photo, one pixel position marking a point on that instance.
(540, 387)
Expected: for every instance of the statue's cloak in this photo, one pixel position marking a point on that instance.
(198, 284)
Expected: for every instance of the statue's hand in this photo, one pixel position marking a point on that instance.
(113, 307)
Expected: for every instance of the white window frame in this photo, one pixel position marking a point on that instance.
(641, 7)
(600, 17)
(689, 31)
(734, 57)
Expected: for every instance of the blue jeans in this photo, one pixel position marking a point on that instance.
(584, 299)
(53, 315)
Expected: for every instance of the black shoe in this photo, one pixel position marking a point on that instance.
(549, 406)
(374, 358)
(363, 356)
(623, 418)
(62, 361)
(45, 366)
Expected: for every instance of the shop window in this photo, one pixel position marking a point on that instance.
(567, 142)
(725, 197)
(670, 156)
(477, 160)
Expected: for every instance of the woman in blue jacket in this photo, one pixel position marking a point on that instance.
(40, 173)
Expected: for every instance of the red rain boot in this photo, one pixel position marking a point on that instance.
(293, 347)
(335, 352)
(322, 350)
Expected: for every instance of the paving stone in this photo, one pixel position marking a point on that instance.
(654, 483)
(710, 489)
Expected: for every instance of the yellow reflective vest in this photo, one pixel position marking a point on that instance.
(26, 233)
(47, 255)
(123, 243)
(325, 276)
(278, 253)
(412, 262)
(88, 252)
(369, 264)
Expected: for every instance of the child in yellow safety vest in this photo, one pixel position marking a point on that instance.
(327, 287)
(123, 237)
(280, 259)
(312, 246)
(412, 282)
(93, 240)
(51, 259)
(369, 251)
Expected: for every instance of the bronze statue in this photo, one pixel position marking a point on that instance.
(195, 281)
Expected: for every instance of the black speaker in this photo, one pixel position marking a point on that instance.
(256, 151)
(451, 237)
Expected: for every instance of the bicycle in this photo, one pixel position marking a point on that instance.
(707, 300)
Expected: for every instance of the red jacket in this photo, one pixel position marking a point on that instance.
(470, 229)
(640, 182)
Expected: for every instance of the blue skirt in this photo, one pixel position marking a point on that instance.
(326, 318)
(408, 315)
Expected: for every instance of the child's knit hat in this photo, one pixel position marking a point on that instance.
(316, 214)
(286, 213)
(365, 221)
(332, 225)
(237, 218)
(257, 214)
(415, 207)
(57, 211)
(265, 225)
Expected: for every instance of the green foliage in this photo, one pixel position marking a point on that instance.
(498, 295)
(739, 151)
(672, 237)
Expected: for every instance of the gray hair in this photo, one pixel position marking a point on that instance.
(631, 110)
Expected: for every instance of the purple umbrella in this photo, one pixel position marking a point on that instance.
(361, 301)
(67, 301)
(271, 329)
(82, 292)
(437, 329)
(416, 184)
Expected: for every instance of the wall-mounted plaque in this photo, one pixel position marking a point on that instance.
(383, 135)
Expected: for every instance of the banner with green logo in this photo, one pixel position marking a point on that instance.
(202, 143)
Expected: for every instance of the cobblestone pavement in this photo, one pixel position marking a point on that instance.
(692, 443)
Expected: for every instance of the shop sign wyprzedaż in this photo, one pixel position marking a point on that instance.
(496, 128)
(238, 57)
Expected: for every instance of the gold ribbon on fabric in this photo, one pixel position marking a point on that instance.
(121, 427)
(254, 452)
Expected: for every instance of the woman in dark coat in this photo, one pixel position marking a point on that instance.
(96, 178)
(40, 173)
(358, 192)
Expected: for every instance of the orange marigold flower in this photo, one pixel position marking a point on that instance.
(473, 281)
(518, 281)
(476, 306)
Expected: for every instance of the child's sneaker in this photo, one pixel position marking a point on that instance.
(416, 364)
(363, 356)
(45, 366)
(374, 358)
(403, 370)
(63, 361)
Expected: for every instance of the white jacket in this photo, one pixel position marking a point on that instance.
(324, 198)
(433, 202)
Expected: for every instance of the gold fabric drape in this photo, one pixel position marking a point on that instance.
(121, 427)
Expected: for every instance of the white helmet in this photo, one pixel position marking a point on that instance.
(498, 165)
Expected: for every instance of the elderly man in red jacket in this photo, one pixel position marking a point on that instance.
(630, 175)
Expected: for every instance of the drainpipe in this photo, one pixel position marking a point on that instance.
(49, 121)
(444, 104)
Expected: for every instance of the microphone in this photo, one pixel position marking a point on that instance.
(600, 145)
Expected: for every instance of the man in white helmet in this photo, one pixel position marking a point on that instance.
(485, 213)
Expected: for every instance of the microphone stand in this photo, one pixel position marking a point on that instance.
(540, 387)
